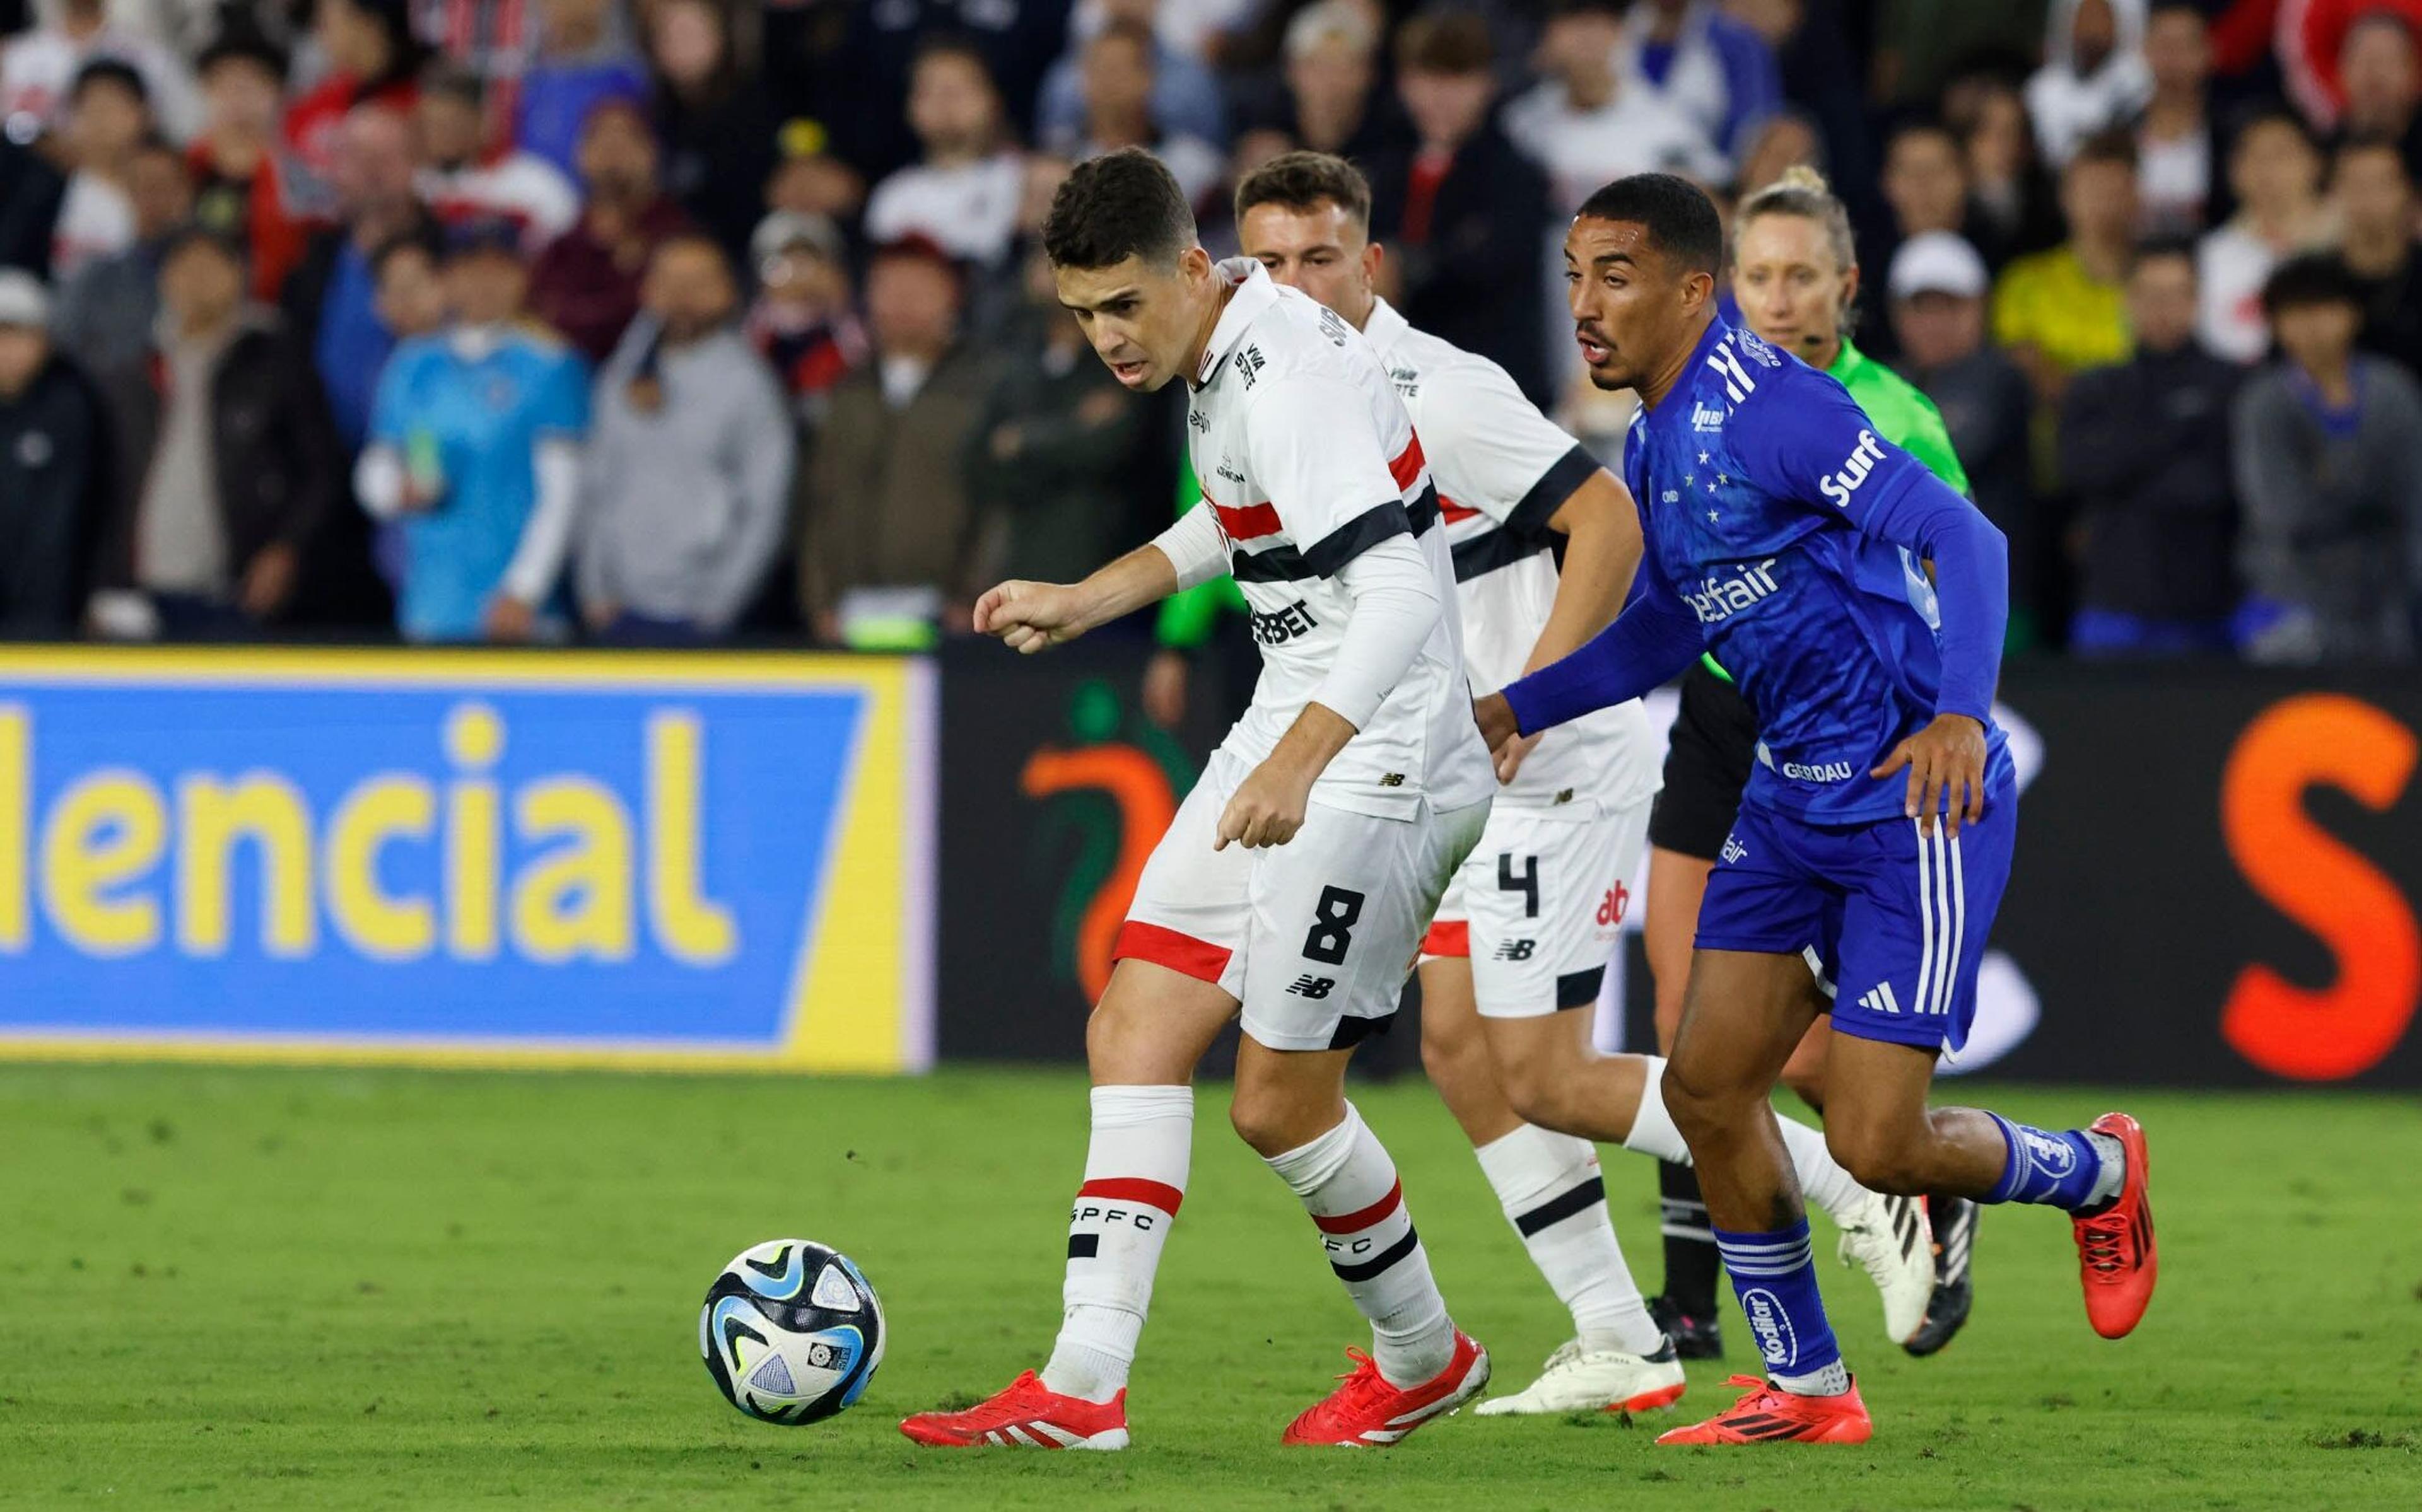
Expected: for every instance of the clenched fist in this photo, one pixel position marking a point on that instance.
(1030, 617)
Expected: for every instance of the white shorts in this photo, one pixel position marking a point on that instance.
(1539, 904)
(1316, 937)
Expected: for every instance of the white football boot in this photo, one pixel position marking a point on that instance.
(1579, 1380)
(1890, 1240)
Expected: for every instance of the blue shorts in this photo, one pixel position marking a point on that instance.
(1897, 919)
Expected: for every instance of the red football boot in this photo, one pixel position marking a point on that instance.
(2114, 1246)
(1367, 1412)
(1769, 1414)
(1028, 1415)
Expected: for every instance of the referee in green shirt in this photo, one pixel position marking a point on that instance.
(1796, 276)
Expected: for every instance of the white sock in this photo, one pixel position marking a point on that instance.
(1349, 1187)
(2112, 1174)
(1827, 1187)
(1549, 1187)
(1135, 1177)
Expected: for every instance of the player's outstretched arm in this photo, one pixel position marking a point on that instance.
(1602, 551)
(1650, 642)
(1034, 616)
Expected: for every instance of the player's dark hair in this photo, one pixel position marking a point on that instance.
(1680, 219)
(2313, 278)
(1305, 182)
(2116, 146)
(1121, 205)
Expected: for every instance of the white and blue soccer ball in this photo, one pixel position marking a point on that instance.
(791, 1332)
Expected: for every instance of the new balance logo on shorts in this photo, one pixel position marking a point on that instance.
(1314, 988)
(1516, 950)
(1879, 999)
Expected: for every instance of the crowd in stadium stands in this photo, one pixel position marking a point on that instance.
(685, 321)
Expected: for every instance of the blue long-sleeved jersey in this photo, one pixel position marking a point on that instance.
(1786, 537)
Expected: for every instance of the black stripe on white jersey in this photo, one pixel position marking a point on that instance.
(1285, 564)
(1526, 532)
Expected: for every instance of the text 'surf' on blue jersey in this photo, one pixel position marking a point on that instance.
(1793, 538)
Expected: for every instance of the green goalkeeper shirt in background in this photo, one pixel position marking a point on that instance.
(1187, 618)
(1902, 415)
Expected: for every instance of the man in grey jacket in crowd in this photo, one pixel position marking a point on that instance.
(686, 474)
(2328, 446)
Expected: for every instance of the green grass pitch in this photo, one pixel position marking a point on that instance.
(345, 1289)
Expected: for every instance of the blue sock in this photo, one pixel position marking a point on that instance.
(2058, 1170)
(1774, 1275)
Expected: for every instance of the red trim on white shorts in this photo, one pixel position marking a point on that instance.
(1162, 946)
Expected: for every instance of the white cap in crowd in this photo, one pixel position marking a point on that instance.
(1938, 262)
(23, 299)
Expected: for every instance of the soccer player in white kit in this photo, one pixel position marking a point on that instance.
(1513, 964)
(1296, 879)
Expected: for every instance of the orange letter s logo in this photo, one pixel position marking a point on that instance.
(2306, 873)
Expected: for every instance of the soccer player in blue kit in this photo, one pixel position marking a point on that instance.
(1860, 603)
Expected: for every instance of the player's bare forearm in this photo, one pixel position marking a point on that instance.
(1034, 616)
(1267, 807)
(1602, 547)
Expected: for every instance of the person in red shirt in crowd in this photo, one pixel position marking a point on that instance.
(586, 282)
(233, 160)
(374, 59)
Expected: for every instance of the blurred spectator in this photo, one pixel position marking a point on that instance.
(1925, 187)
(802, 322)
(409, 277)
(587, 283)
(238, 182)
(888, 533)
(2328, 450)
(686, 478)
(2382, 80)
(372, 59)
(1785, 140)
(39, 70)
(1116, 82)
(1587, 125)
(1921, 46)
(962, 192)
(109, 115)
(2017, 207)
(2178, 179)
(225, 462)
(107, 307)
(31, 192)
(2061, 311)
(1185, 97)
(581, 61)
(715, 119)
(2308, 40)
(2375, 203)
(1704, 63)
(2277, 177)
(808, 178)
(1937, 289)
(54, 467)
(2094, 76)
(2145, 445)
(1020, 40)
(1324, 101)
(1054, 454)
(330, 301)
(474, 445)
(462, 178)
(1463, 210)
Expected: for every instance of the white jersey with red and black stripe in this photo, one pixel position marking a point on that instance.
(1306, 459)
(1503, 470)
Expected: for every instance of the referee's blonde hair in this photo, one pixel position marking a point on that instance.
(1802, 192)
